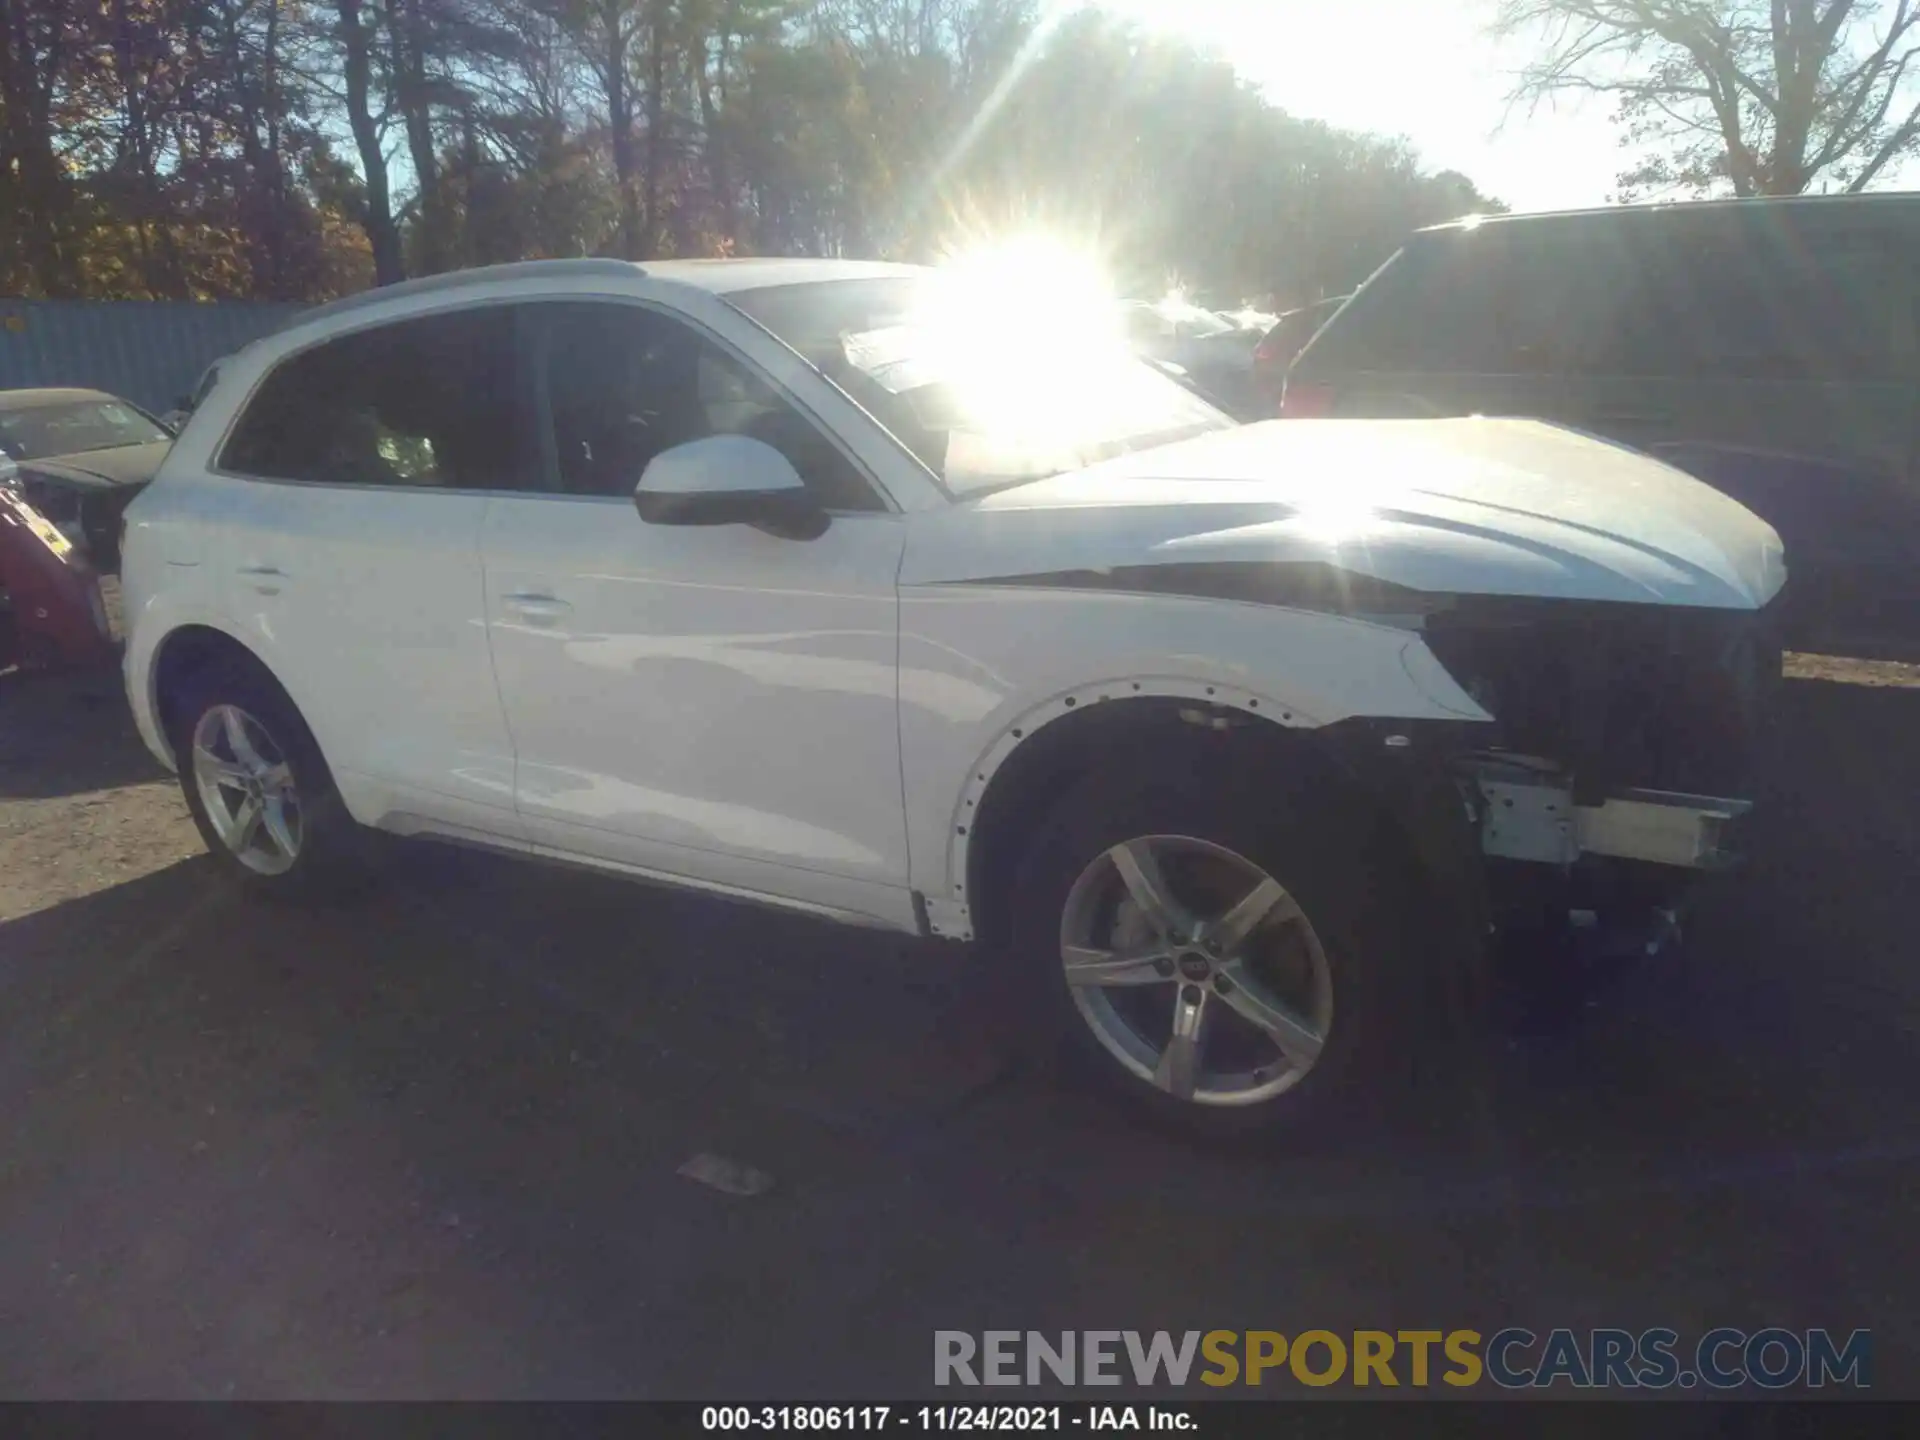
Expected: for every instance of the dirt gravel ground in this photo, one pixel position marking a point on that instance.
(427, 1145)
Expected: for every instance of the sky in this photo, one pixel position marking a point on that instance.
(1422, 69)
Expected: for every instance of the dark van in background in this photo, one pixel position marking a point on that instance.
(1767, 346)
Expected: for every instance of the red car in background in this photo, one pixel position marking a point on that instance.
(52, 614)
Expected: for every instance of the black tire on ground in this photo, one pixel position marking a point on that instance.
(332, 859)
(1319, 839)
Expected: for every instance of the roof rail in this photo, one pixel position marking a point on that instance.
(1878, 200)
(461, 279)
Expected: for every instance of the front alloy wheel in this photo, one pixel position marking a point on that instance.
(247, 789)
(1196, 970)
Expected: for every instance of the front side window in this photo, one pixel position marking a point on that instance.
(427, 403)
(623, 384)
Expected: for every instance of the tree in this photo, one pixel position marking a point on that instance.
(436, 48)
(186, 148)
(247, 41)
(1183, 173)
(42, 40)
(1770, 97)
(608, 34)
(358, 43)
(527, 179)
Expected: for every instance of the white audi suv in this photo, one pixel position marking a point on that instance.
(815, 584)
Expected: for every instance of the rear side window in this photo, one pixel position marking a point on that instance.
(427, 403)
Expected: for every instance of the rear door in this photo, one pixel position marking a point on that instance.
(354, 488)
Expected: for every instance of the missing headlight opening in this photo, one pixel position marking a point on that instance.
(1618, 695)
(1625, 745)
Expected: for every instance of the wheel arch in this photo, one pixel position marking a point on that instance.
(1399, 768)
(188, 650)
(1033, 761)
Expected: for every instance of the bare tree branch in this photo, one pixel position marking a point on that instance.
(1793, 93)
(1896, 144)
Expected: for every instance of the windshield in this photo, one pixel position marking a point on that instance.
(70, 426)
(983, 407)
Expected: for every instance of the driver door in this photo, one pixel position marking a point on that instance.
(709, 703)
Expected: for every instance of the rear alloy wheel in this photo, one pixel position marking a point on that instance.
(248, 790)
(261, 795)
(1196, 970)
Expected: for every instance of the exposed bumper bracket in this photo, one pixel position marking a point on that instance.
(1531, 815)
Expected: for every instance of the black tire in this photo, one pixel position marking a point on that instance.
(1321, 840)
(331, 860)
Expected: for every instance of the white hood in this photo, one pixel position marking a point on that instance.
(1463, 507)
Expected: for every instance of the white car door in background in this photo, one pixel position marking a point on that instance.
(713, 703)
(355, 483)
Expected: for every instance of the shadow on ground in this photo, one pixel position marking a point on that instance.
(67, 734)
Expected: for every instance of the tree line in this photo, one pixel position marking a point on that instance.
(296, 149)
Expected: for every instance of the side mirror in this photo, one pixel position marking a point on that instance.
(728, 480)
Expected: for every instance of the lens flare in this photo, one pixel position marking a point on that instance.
(1029, 332)
(1337, 516)
(1029, 282)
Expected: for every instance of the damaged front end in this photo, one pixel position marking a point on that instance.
(52, 614)
(1627, 747)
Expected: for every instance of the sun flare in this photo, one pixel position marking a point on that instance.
(1029, 329)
